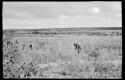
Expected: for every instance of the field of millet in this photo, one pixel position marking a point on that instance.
(62, 56)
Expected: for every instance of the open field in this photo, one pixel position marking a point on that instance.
(66, 54)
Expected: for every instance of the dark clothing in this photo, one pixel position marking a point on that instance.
(77, 47)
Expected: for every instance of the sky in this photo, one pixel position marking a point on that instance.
(38, 15)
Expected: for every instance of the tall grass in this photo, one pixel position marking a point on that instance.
(93, 61)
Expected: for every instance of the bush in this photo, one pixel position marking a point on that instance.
(93, 60)
(108, 71)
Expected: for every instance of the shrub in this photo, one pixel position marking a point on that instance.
(93, 60)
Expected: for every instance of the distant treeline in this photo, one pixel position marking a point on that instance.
(109, 28)
(37, 31)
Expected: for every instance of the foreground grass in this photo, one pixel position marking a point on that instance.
(58, 57)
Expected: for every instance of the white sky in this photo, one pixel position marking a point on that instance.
(36, 15)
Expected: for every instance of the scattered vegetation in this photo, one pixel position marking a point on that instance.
(82, 56)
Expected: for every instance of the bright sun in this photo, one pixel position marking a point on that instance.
(96, 10)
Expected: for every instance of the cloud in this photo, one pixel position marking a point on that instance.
(61, 22)
(116, 6)
(47, 9)
(55, 9)
(14, 14)
(60, 14)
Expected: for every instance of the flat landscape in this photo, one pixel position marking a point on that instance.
(83, 53)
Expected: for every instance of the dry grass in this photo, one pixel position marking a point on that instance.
(56, 57)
